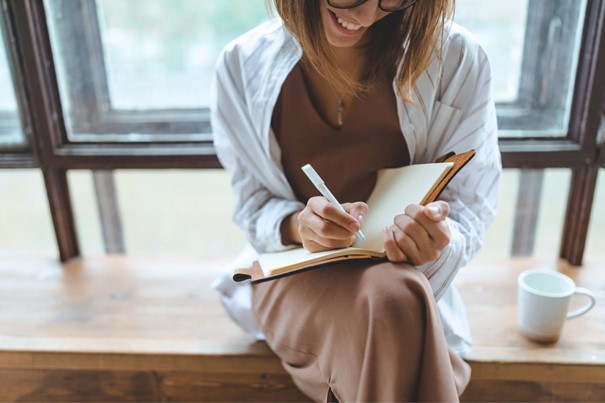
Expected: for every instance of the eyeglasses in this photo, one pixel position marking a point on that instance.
(390, 6)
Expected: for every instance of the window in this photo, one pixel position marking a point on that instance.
(138, 70)
(26, 225)
(533, 47)
(106, 85)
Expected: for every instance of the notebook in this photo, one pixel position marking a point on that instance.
(395, 189)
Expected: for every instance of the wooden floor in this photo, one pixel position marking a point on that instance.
(125, 329)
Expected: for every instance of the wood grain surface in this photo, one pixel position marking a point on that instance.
(126, 329)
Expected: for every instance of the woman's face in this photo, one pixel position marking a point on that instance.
(346, 27)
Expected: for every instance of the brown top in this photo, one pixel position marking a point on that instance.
(347, 157)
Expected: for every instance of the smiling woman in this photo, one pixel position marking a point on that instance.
(328, 84)
(119, 85)
(132, 69)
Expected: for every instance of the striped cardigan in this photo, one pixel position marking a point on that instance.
(453, 110)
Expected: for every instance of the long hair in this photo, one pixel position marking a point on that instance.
(413, 33)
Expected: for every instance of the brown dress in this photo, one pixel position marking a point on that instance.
(356, 330)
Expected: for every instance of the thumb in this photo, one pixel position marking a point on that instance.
(358, 210)
(437, 211)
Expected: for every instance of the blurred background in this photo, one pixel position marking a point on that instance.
(159, 55)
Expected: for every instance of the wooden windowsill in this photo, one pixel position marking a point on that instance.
(125, 316)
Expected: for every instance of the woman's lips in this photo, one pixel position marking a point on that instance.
(344, 30)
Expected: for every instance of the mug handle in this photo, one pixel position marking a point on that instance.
(585, 308)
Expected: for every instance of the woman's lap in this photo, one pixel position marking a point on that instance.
(351, 325)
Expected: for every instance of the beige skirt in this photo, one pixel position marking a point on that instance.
(362, 331)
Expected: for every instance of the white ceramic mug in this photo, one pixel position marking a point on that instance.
(543, 298)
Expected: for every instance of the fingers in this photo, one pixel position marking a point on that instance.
(419, 235)
(358, 210)
(391, 247)
(323, 225)
(437, 210)
(329, 212)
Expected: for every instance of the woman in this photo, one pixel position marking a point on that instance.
(354, 86)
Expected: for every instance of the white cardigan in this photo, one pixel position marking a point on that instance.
(453, 110)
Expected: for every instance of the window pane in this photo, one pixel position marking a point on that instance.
(163, 213)
(178, 212)
(86, 212)
(500, 26)
(140, 70)
(11, 133)
(550, 220)
(161, 53)
(26, 223)
(595, 246)
(533, 46)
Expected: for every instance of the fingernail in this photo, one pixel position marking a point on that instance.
(435, 210)
(360, 218)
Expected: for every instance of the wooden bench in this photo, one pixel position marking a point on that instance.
(130, 329)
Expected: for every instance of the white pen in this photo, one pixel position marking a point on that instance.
(323, 189)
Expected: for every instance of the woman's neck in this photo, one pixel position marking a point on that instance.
(350, 60)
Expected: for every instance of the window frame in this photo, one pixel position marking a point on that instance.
(100, 122)
(38, 87)
(577, 148)
(15, 155)
(555, 149)
(533, 101)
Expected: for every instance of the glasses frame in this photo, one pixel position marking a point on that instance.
(388, 10)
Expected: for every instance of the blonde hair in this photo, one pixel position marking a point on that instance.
(412, 33)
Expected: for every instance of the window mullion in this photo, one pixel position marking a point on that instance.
(526, 211)
(577, 217)
(59, 201)
(109, 211)
(23, 155)
(588, 93)
(43, 101)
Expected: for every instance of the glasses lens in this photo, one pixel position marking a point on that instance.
(386, 5)
(396, 5)
(345, 3)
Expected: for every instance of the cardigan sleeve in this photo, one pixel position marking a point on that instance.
(259, 208)
(463, 118)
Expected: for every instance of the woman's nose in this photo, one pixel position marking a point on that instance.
(366, 13)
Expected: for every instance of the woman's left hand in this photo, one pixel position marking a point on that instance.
(419, 235)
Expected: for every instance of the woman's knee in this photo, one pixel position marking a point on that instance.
(394, 292)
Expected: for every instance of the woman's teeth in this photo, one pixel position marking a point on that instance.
(348, 25)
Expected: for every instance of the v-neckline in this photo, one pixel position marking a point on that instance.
(305, 83)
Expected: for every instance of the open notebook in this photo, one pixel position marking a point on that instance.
(395, 189)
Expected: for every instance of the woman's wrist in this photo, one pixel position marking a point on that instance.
(289, 230)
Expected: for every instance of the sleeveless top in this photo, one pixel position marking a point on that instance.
(346, 157)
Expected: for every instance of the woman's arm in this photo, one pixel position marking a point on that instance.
(464, 118)
(265, 204)
(263, 199)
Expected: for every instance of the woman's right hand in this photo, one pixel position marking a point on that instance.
(322, 226)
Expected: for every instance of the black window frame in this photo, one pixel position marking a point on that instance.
(40, 104)
(19, 155)
(531, 111)
(177, 130)
(537, 103)
(98, 120)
